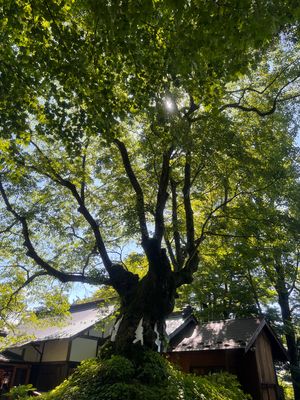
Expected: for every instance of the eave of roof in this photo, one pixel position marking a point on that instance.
(82, 318)
(230, 335)
(9, 357)
(178, 329)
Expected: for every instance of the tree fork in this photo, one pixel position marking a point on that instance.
(144, 309)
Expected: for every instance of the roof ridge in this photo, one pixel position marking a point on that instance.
(89, 304)
(232, 319)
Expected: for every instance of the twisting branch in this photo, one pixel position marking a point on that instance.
(211, 214)
(5, 230)
(162, 196)
(123, 281)
(257, 110)
(189, 215)
(31, 252)
(26, 283)
(140, 204)
(82, 189)
(191, 109)
(254, 291)
(92, 222)
(176, 234)
(185, 275)
(272, 81)
(171, 253)
(74, 234)
(296, 273)
(228, 235)
(82, 209)
(83, 181)
(199, 169)
(87, 261)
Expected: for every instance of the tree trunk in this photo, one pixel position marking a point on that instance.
(143, 310)
(289, 331)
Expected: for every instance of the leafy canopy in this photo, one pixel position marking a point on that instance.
(108, 106)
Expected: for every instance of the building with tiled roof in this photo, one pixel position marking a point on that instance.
(245, 347)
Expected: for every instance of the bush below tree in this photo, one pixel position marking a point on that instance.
(148, 377)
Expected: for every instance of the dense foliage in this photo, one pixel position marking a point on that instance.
(165, 127)
(151, 378)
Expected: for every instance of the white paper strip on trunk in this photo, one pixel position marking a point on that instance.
(157, 340)
(115, 329)
(139, 333)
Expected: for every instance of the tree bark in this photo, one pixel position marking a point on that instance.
(289, 331)
(143, 311)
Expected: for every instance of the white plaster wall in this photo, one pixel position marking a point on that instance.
(55, 350)
(83, 348)
(31, 354)
(95, 332)
(17, 350)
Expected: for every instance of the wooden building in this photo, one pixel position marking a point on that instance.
(56, 350)
(13, 371)
(244, 347)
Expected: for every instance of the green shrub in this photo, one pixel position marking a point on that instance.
(20, 392)
(149, 377)
(153, 368)
(117, 369)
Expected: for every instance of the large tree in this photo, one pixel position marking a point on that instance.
(254, 268)
(134, 122)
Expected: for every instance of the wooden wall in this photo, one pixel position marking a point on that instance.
(254, 369)
(265, 368)
(46, 376)
(203, 362)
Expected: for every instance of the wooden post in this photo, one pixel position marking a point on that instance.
(27, 374)
(10, 384)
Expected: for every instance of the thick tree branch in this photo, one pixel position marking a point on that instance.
(140, 205)
(187, 112)
(171, 253)
(162, 196)
(189, 215)
(295, 277)
(82, 209)
(31, 252)
(82, 188)
(176, 234)
(185, 275)
(123, 281)
(254, 291)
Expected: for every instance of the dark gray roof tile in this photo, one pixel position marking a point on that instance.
(232, 333)
(82, 317)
